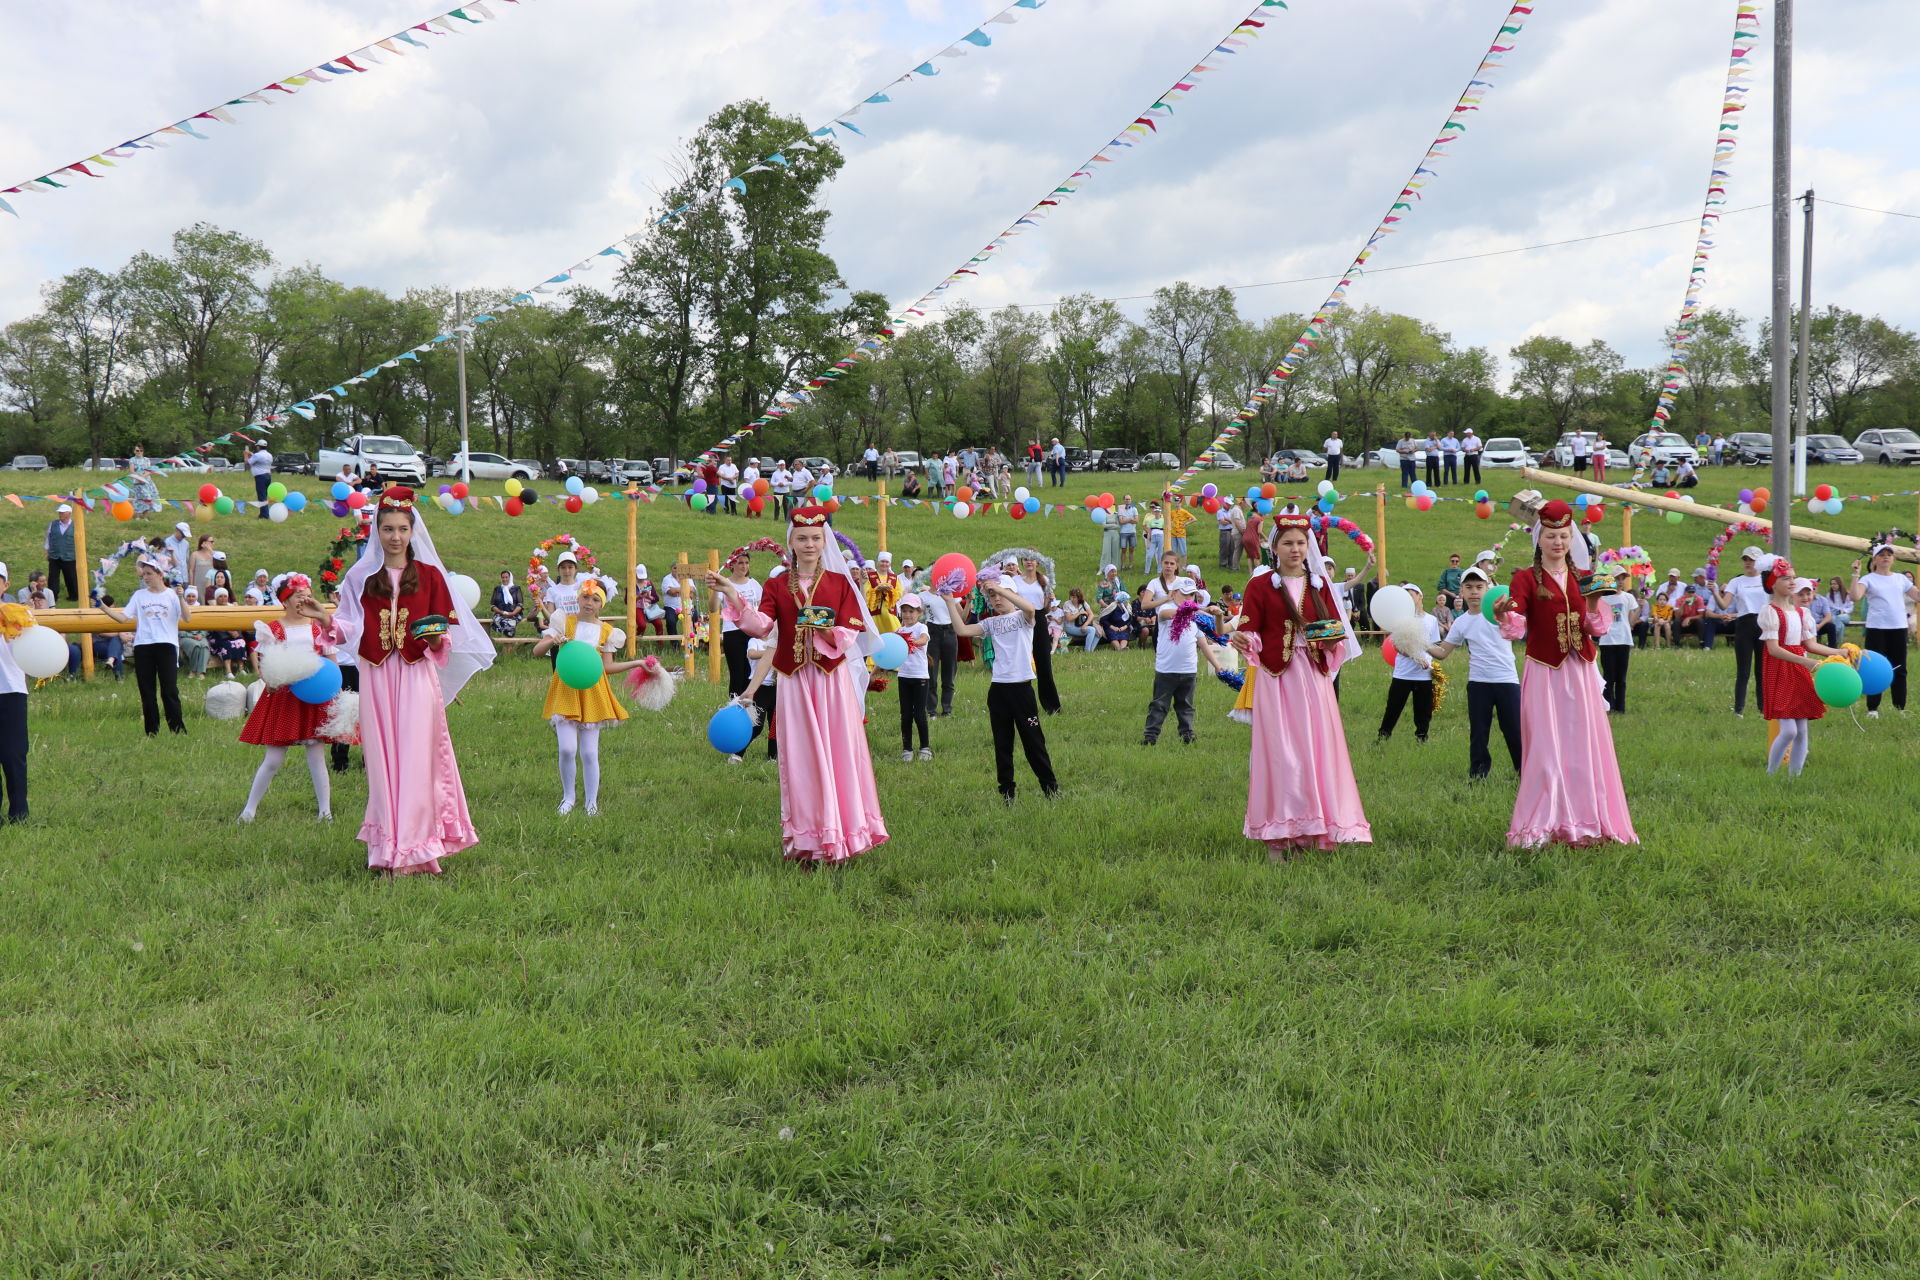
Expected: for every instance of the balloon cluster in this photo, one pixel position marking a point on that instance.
(345, 497)
(1420, 497)
(1099, 506)
(1330, 497)
(1589, 507)
(452, 498)
(1753, 502)
(1675, 517)
(282, 502)
(1825, 502)
(1483, 504)
(1024, 504)
(1260, 497)
(581, 494)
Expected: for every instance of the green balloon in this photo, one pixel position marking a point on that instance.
(1674, 517)
(276, 491)
(698, 502)
(1479, 495)
(1493, 597)
(1837, 684)
(223, 504)
(578, 665)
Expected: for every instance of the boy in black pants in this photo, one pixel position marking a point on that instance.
(1413, 678)
(1011, 705)
(13, 717)
(1493, 686)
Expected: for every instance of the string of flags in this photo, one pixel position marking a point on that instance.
(773, 163)
(1402, 207)
(1143, 127)
(1746, 31)
(416, 38)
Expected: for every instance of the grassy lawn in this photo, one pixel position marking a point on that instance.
(1100, 1037)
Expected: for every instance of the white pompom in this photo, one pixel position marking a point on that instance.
(254, 691)
(227, 700)
(1410, 636)
(343, 718)
(288, 663)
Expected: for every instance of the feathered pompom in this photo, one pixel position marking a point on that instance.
(1232, 679)
(343, 718)
(227, 700)
(14, 618)
(1410, 636)
(650, 685)
(284, 664)
(254, 691)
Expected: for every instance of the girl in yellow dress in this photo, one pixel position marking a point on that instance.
(578, 715)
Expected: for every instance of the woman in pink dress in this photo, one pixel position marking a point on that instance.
(1570, 790)
(417, 644)
(1300, 788)
(829, 806)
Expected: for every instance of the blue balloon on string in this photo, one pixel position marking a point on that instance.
(340, 490)
(1325, 505)
(1032, 505)
(296, 501)
(321, 687)
(1264, 506)
(1419, 487)
(575, 484)
(1876, 673)
(891, 653)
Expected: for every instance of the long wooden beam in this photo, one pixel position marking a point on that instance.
(1659, 502)
(206, 617)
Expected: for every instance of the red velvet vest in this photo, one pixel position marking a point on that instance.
(387, 625)
(1556, 626)
(1267, 611)
(779, 602)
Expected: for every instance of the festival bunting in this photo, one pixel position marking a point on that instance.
(1146, 124)
(772, 163)
(1746, 32)
(374, 53)
(1402, 207)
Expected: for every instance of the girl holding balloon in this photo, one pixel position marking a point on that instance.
(817, 614)
(1887, 595)
(285, 717)
(580, 701)
(1786, 667)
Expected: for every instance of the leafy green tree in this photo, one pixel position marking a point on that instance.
(1188, 326)
(1561, 382)
(194, 307)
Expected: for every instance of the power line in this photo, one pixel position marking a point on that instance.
(1891, 213)
(1440, 262)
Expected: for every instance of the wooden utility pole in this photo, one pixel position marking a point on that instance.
(1380, 533)
(881, 500)
(633, 571)
(83, 580)
(713, 626)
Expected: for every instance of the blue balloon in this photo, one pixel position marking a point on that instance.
(892, 652)
(296, 501)
(455, 506)
(340, 490)
(1419, 487)
(1580, 500)
(1876, 673)
(575, 484)
(322, 687)
(1325, 504)
(1253, 493)
(1032, 505)
(1264, 506)
(731, 729)
(1099, 515)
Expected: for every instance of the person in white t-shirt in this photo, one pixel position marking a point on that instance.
(733, 641)
(260, 464)
(729, 483)
(1887, 595)
(781, 485)
(763, 692)
(562, 596)
(1493, 683)
(912, 679)
(13, 722)
(282, 719)
(1744, 596)
(156, 614)
(1616, 647)
(802, 485)
(1333, 449)
(1012, 708)
(1413, 677)
(1178, 648)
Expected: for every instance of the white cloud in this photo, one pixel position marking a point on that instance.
(510, 151)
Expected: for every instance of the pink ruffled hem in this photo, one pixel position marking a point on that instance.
(414, 859)
(1308, 833)
(1574, 836)
(829, 846)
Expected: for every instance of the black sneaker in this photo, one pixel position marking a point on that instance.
(1189, 738)
(1147, 742)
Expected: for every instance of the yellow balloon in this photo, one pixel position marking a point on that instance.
(513, 488)
(203, 512)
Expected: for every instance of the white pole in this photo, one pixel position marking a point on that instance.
(1782, 351)
(1801, 409)
(460, 348)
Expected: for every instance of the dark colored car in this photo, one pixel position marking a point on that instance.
(1831, 451)
(1079, 460)
(1115, 460)
(293, 464)
(1751, 448)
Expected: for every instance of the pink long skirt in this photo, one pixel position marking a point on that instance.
(416, 807)
(829, 806)
(1570, 790)
(1300, 788)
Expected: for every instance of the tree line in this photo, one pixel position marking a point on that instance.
(717, 311)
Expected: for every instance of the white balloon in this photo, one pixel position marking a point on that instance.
(254, 691)
(466, 588)
(1021, 494)
(1390, 606)
(961, 511)
(41, 652)
(589, 495)
(277, 513)
(1326, 487)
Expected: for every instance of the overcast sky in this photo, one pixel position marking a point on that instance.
(503, 155)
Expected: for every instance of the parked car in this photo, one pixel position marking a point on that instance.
(1831, 451)
(1079, 460)
(1750, 448)
(1561, 455)
(1889, 447)
(1661, 446)
(434, 463)
(532, 465)
(1159, 462)
(1219, 462)
(1283, 458)
(822, 469)
(28, 462)
(630, 471)
(485, 466)
(102, 464)
(1115, 460)
(1386, 456)
(1505, 452)
(185, 464)
(222, 464)
(904, 460)
(397, 460)
(293, 464)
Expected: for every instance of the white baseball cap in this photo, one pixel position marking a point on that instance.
(183, 526)
(1491, 553)
(64, 510)
(567, 557)
(1183, 584)
(1752, 553)
(3, 571)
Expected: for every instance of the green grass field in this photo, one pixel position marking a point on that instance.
(1099, 1037)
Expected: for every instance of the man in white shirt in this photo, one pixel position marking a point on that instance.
(1493, 685)
(13, 724)
(1332, 447)
(782, 486)
(1057, 457)
(729, 484)
(1744, 597)
(1470, 455)
(802, 485)
(179, 546)
(871, 458)
(260, 462)
(1449, 459)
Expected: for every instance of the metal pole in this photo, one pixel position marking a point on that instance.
(1801, 408)
(460, 349)
(1782, 262)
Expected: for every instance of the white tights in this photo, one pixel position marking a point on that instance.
(270, 765)
(1790, 744)
(579, 742)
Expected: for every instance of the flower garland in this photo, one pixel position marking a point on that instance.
(537, 562)
(1637, 562)
(758, 544)
(1721, 539)
(346, 545)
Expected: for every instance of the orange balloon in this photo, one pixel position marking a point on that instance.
(1762, 495)
(833, 505)
(963, 493)
(1759, 504)
(761, 487)
(1269, 491)
(1092, 500)
(123, 511)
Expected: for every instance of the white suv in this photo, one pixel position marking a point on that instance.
(1505, 451)
(485, 466)
(1661, 446)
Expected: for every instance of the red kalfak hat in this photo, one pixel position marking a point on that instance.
(1556, 515)
(811, 517)
(397, 498)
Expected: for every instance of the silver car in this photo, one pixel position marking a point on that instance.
(1890, 447)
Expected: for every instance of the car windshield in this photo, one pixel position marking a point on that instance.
(1828, 442)
(1667, 442)
(1902, 436)
(390, 448)
(1505, 443)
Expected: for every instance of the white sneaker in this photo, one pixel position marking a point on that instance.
(926, 753)
(566, 807)
(1873, 715)
(593, 811)
(733, 759)
(906, 757)
(325, 815)
(246, 816)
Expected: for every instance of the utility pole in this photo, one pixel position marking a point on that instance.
(460, 352)
(1801, 408)
(1782, 271)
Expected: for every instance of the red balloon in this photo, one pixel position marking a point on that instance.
(460, 490)
(1594, 514)
(209, 492)
(1388, 652)
(1212, 505)
(356, 500)
(1424, 502)
(1823, 492)
(949, 564)
(515, 506)
(1092, 500)
(1106, 500)
(574, 504)
(756, 505)
(1017, 511)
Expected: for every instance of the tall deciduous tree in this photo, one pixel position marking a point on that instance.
(194, 306)
(1561, 381)
(1376, 363)
(1084, 331)
(1188, 325)
(91, 319)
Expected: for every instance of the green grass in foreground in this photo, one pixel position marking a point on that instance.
(1098, 1037)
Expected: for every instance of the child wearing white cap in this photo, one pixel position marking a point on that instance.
(1493, 684)
(1413, 678)
(1177, 649)
(13, 706)
(912, 679)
